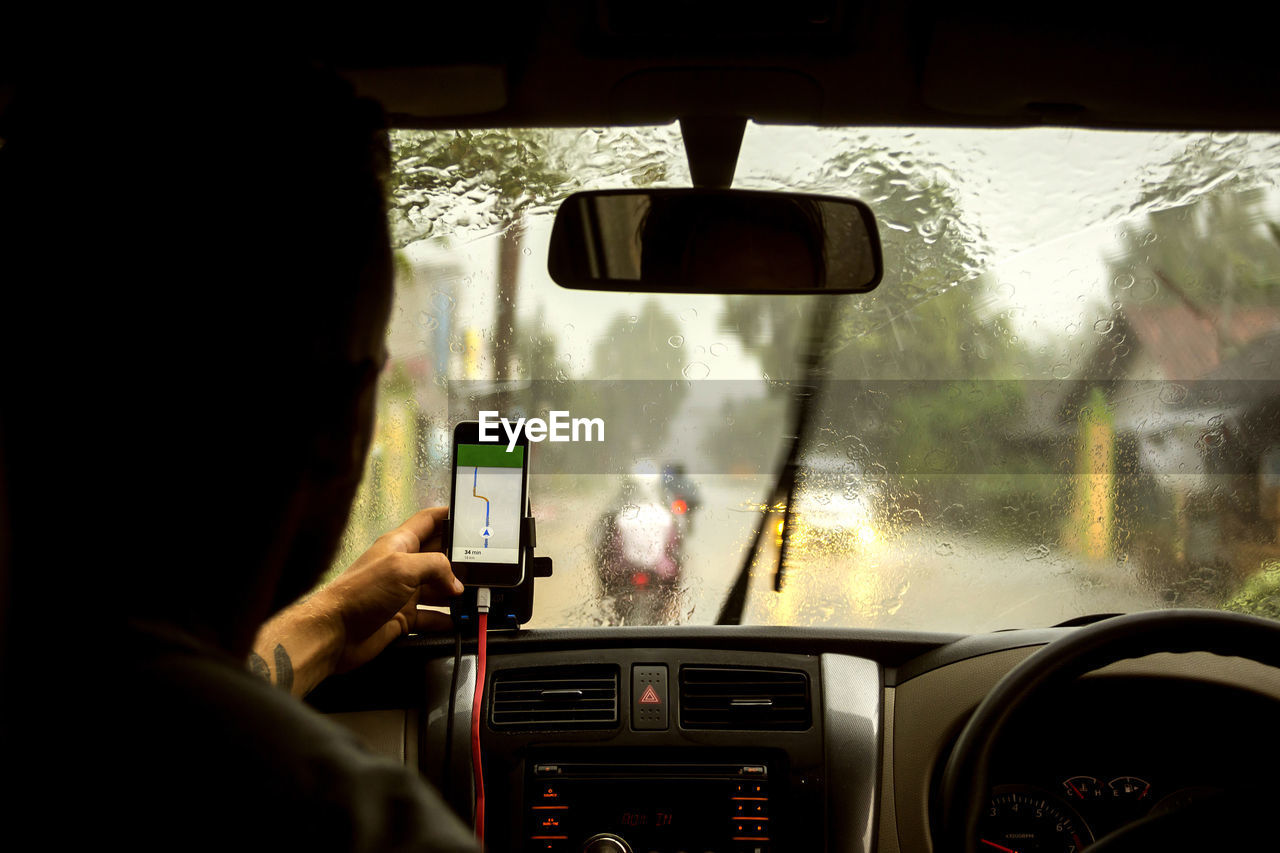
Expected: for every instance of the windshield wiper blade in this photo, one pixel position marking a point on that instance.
(784, 487)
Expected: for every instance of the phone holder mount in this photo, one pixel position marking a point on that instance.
(510, 606)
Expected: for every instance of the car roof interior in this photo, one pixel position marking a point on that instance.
(715, 63)
(821, 62)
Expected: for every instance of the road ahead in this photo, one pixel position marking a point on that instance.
(916, 577)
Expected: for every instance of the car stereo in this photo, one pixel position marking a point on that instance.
(649, 808)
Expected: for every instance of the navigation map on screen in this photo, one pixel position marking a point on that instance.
(487, 515)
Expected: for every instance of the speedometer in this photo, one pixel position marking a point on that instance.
(1022, 819)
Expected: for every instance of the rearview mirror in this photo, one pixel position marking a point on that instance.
(714, 241)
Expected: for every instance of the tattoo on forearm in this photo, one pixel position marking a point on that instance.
(284, 668)
(259, 667)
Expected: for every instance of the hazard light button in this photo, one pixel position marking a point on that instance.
(649, 697)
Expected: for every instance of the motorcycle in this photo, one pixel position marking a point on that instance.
(638, 555)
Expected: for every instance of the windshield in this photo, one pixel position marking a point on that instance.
(1061, 400)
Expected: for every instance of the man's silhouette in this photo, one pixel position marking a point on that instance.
(197, 280)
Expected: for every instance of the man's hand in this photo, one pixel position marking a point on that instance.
(377, 598)
(356, 616)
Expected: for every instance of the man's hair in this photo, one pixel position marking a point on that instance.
(197, 249)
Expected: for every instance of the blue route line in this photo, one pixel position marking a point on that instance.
(475, 482)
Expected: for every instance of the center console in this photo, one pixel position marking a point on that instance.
(658, 750)
(642, 807)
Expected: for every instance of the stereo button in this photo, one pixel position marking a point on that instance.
(552, 845)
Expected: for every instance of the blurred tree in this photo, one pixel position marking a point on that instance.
(454, 182)
(929, 249)
(451, 183)
(1208, 241)
(635, 372)
(895, 354)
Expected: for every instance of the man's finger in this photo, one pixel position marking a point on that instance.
(411, 606)
(424, 522)
(431, 571)
(434, 542)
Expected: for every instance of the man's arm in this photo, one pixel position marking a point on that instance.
(356, 616)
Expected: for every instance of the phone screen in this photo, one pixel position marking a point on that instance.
(487, 511)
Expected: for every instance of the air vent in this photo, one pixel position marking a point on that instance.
(744, 699)
(555, 697)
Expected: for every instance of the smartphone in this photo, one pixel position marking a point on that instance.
(487, 507)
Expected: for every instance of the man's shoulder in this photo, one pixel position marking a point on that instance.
(214, 701)
(207, 740)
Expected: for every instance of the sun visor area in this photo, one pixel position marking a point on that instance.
(660, 96)
(432, 92)
(1154, 76)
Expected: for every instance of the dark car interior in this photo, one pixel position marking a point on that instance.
(750, 738)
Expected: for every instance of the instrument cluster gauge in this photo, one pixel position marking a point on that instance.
(1082, 788)
(1130, 788)
(1184, 797)
(1022, 819)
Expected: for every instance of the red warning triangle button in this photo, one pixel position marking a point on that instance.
(650, 696)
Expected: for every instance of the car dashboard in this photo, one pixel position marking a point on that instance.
(768, 739)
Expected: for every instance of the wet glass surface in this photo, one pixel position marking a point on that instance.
(1062, 399)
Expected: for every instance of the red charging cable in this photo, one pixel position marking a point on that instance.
(477, 708)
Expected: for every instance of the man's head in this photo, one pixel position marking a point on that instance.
(204, 251)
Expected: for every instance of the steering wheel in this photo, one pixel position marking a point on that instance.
(966, 784)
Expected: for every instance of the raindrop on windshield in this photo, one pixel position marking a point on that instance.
(695, 370)
(718, 349)
(1171, 393)
(1103, 327)
(676, 341)
(1145, 290)
(928, 228)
